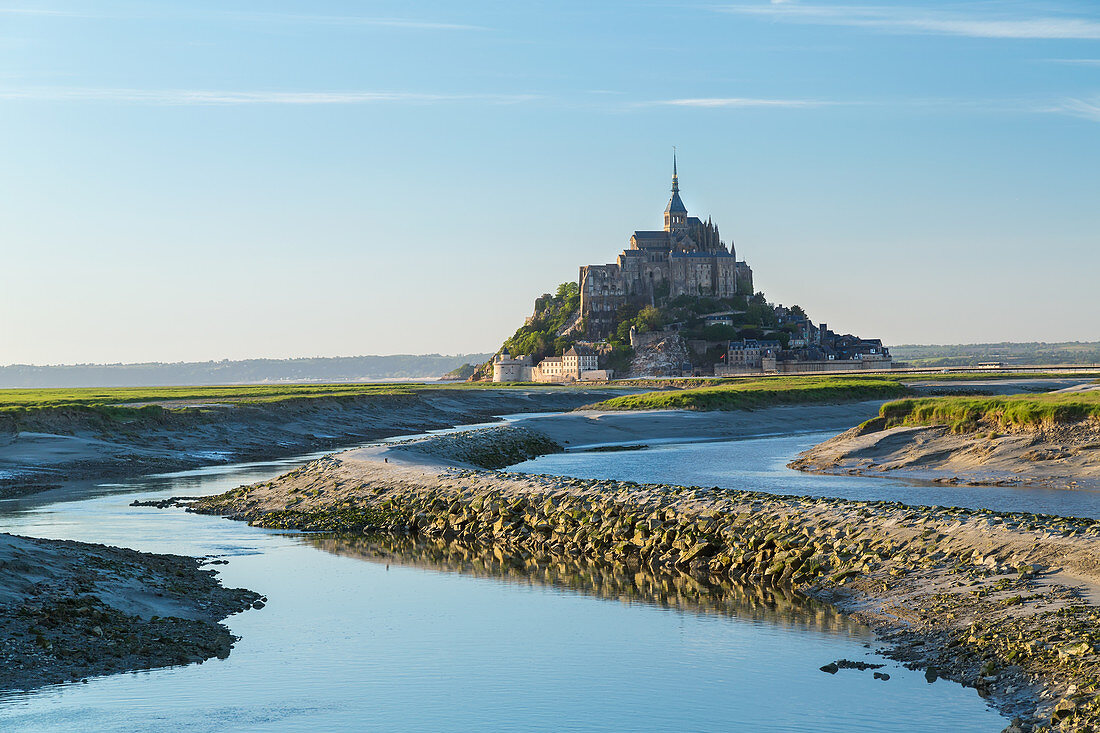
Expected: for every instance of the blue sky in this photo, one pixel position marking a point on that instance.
(206, 180)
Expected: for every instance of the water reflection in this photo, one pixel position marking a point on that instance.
(437, 637)
(779, 606)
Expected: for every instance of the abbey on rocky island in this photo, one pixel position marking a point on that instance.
(706, 318)
(687, 257)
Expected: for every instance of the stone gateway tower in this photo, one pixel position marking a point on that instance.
(687, 257)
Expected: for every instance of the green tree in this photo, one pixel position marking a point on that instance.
(720, 332)
(648, 319)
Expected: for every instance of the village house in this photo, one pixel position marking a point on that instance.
(749, 354)
(579, 363)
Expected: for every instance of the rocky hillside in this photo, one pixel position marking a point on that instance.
(658, 356)
(556, 324)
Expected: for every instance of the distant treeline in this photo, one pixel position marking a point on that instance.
(248, 371)
(1035, 352)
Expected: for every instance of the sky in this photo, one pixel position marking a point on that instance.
(216, 179)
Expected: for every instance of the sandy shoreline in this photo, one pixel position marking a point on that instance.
(1065, 456)
(46, 449)
(587, 428)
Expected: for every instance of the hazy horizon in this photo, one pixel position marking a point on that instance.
(472, 355)
(201, 181)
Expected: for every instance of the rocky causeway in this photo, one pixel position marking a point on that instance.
(1003, 602)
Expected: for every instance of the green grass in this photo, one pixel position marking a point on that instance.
(993, 375)
(17, 399)
(141, 403)
(753, 393)
(976, 376)
(127, 403)
(966, 414)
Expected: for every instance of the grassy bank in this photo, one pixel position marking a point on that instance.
(137, 403)
(145, 404)
(134, 402)
(25, 399)
(754, 393)
(965, 414)
(993, 375)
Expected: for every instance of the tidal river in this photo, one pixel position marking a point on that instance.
(361, 638)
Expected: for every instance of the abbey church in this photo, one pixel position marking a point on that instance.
(687, 257)
(708, 320)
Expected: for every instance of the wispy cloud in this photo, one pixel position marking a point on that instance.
(1076, 62)
(1088, 109)
(256, 17)
(43, 11)
(902, 19)
(349, 20)
(206, 97)
(738, 102)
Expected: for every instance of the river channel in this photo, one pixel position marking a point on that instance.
(406, 639)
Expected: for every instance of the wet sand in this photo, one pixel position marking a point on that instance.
(1065, 456)
(72, 610)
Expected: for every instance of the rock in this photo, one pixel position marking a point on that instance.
(701, 549)
(861, 666)
(1065, 708)
(830, 668)
(1076, 648)
(882, 676)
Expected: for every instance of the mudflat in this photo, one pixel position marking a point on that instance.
(1061, 455)
(72, 610)
(44, 448)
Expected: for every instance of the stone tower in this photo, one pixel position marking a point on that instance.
(675, 213)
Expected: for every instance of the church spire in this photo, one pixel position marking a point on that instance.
(675, 212)
(675, 179)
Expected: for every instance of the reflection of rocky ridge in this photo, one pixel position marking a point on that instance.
(976, 594)
(613, 581)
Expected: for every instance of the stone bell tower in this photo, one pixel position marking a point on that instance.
(675, 213)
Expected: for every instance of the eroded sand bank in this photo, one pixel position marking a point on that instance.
(1065, 456)
(46, 448)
